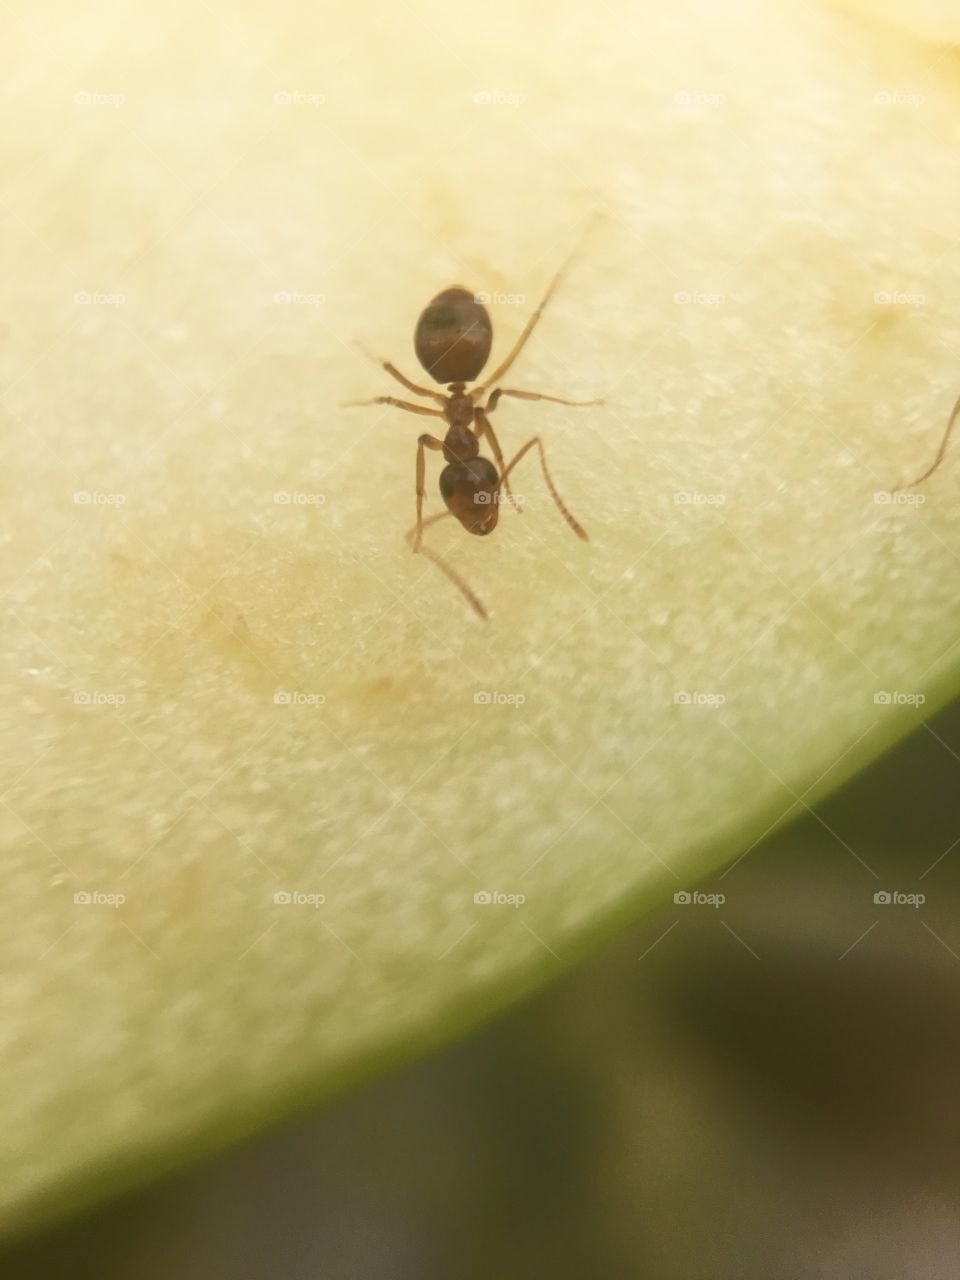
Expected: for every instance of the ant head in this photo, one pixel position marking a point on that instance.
(453, 336)
(471, 490)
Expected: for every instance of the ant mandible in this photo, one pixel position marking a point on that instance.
(452, 342)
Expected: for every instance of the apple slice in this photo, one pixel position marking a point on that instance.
(279, 811)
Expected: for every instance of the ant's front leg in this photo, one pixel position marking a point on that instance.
(397, 404)
(425, 442)
(402, 378)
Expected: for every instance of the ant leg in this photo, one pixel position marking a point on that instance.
(395, 373)
(574, 524)
(442, 565)
(425, 442)
(486, 429)
(940, 453)
(399, 404)
(535, 395)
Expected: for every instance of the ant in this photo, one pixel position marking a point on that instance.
(951, 422)
(452, 342)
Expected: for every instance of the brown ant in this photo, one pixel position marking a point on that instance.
(951, 422)
(452, 342)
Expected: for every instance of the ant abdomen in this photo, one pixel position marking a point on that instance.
(471, 491)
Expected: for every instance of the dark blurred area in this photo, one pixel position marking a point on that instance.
(764, 1088)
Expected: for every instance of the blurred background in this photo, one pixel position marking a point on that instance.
(761, 1088)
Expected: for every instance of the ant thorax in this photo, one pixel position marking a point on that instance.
(460, 444)
(459, 408)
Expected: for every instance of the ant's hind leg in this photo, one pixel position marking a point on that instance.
(458, 582)
(574, 524)
(425, 442)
